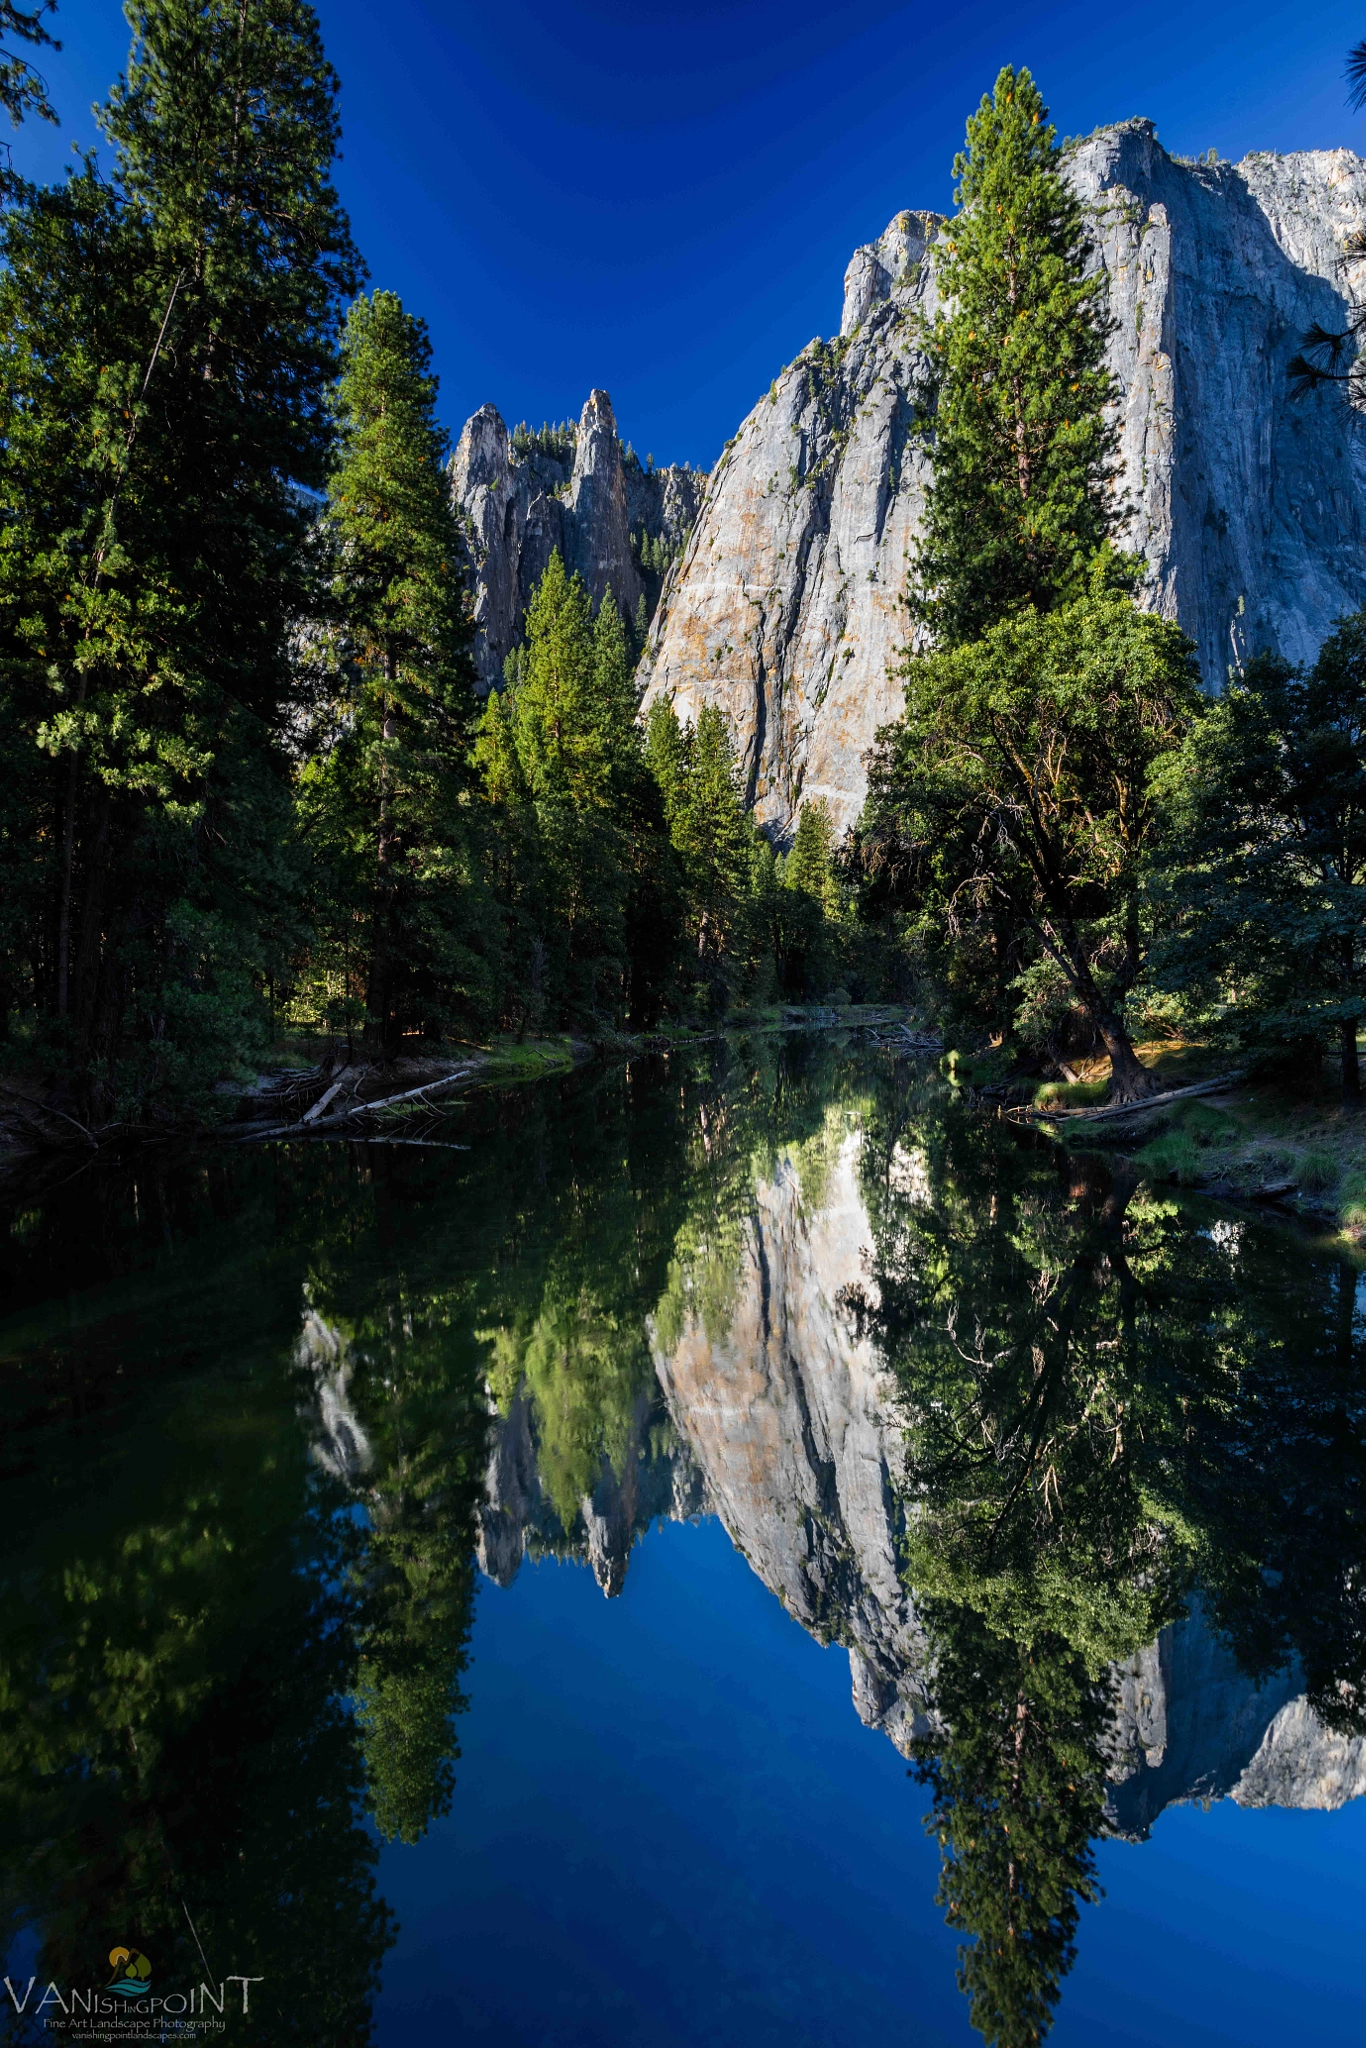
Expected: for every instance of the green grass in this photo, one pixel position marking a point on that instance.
(1069, 1094)
(976, 1070)
(1174, 1156)
(1318, 1171)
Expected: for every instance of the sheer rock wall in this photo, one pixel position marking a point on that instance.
(1248, 507)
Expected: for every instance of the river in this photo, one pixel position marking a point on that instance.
(738, 1548)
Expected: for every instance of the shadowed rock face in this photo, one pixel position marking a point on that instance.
(517, 510)
(1189, 1725)
(1248, 507)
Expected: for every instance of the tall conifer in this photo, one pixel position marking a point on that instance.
(404, 637)
(168, 340)
(1020, 501)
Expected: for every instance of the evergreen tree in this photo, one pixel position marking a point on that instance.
(22, 91)
(810, 865)
(1017, 788)
(168, 340)
(591, 888)
(1262, 880)
(715, 840)
(1020, 501)
(1019, 1795)
(395, 781)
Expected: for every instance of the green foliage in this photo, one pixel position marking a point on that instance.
(1019, 1794)
(556, 441)
(167, 343)
(586, 875)
(1262, 881)
(1012, 800)
(1020, 503)
(385, 791)
(22, 90)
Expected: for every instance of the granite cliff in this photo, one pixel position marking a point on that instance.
(588, 499)
(1247, 506)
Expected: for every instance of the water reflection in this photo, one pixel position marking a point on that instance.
(1074, 1474)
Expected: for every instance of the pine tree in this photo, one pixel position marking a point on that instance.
(810, 865)
(1020, 501)
(1015, 795)
(587, 863)
(168, 342)
(22, 90)
(1019, 1795)
(1262, 877)
(715, 840)
(402, 640)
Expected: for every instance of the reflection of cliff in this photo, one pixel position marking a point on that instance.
(770, 1411)
(782, 1414)
(340, 1445)
(788, 1419)
(1191, 1726)
(655, 1479)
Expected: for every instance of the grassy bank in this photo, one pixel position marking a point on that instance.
(1258, 1140)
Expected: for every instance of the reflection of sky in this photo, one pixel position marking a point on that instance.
(670, 1828)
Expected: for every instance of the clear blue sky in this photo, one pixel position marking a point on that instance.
(661, 199)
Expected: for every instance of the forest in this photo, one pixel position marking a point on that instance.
(252, 794)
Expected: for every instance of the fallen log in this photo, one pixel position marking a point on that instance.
(1104, 1111)
(303, 1128)
(32, 1112)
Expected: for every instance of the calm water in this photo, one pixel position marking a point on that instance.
(712, 1553)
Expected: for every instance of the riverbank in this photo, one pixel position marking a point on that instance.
(1257, 1139)
(312, 1088)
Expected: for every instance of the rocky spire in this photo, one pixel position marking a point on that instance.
(599, 535)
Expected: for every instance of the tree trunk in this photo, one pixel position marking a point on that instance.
(64, 911)
(1130, 1080)
(90, 944)
(1351, 1067)
(379, 987)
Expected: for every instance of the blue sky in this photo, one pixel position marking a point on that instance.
(661, 199)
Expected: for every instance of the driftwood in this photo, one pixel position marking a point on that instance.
(1105, 1111)
(305, 1127)
(32, 1113)
(914, 1041)
(311, 1115)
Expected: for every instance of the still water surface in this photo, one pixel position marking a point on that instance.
(539, 1593)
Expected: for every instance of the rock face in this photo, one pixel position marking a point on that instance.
(1248, 507)
(518, 508)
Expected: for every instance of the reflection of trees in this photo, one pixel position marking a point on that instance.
(174, 1741)
(1019, 1793)
(415, 1383)
(1099, 1410)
